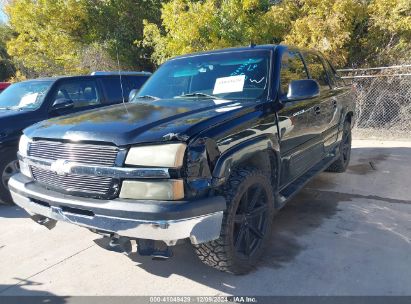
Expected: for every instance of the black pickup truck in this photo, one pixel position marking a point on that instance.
(25, 103)
(213, 145)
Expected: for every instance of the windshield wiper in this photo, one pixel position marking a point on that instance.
(147, 97)
(198, 95)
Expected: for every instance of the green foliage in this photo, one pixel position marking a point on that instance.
(389, 38)
(6, 65)
(326, 25)
(190, 26)
(51, 37)
(49, 34)
(202, 25)
(118, 25)
(75, 36)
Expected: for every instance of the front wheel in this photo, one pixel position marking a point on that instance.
(247, 223)
(9, 166)
(341, 164)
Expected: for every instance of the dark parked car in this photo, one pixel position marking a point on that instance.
(3, 86)
(25, 103)
(213, 145)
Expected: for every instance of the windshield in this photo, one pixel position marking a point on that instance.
(27, 95)
(233, 75)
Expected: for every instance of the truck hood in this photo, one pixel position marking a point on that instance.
(133, 123)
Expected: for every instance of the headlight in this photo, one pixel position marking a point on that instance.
(169, 156)
(168, 190)
(24, 145)
(24, 150)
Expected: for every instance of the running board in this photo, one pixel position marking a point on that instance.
(292, 189)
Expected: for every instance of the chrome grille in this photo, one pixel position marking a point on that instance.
(73, 183)
(81, 153)
(102, 187)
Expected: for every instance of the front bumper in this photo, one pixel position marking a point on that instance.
(200, 220)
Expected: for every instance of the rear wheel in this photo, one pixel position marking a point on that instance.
(246, 225)
(9, 166)
(341, 164)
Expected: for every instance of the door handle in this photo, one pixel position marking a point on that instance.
(317, 110)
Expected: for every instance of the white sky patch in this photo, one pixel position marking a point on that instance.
(229, 84)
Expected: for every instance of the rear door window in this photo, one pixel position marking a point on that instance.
(112, 86)
(83, 93)
(292, 68)
(136, 82)
(336, 79)
(112, 89)
(317, 70)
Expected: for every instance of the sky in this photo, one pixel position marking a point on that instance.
(3, 17)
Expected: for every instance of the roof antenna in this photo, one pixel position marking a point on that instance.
(121, 80)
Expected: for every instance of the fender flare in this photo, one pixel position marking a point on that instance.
(242, 152)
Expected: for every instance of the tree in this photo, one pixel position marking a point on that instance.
(389, 37)
(6, 65)
(49, 34)
(118, 25)
(200, 25)
(326, 25)
(75, 36)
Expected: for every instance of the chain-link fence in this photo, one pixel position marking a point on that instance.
(383, 101)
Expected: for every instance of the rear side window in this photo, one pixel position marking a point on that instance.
(82, 92)
(317, 70)
(112, 86)
(136, 82)
(112, 89)
(331, 72)
(292, 68)
(335, 78)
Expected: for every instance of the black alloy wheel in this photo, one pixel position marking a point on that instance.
(250, 221)
(247, 223)
(341, 164)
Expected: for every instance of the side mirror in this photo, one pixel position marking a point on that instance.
(133, 93)
(302, 89)
(62, 104)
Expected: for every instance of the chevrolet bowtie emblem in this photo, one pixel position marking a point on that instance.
(61, 167)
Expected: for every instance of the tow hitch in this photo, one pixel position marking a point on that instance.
(44, 221)
(120, 244)
(156, 249)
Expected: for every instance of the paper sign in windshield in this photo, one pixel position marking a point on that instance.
(28, 99)
(229, 84)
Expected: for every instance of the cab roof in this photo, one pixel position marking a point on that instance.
(105, 75)
(233, 49)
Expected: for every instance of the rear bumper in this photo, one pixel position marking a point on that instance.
(200, 220)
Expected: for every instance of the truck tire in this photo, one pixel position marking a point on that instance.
(341, 164)
(247, 223)
(8, 166)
